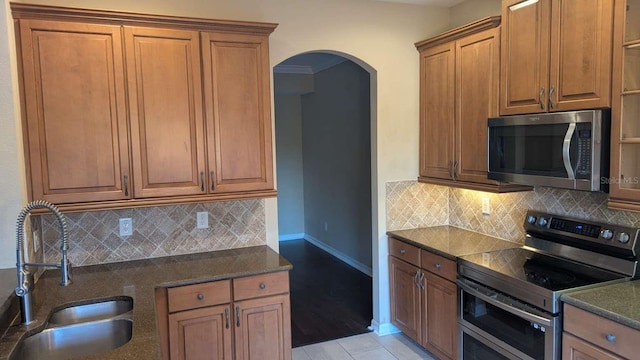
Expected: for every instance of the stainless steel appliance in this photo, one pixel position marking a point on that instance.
(565, 149)
(509, 305)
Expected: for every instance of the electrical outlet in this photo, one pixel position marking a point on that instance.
(486, 206)
(202, 220)
(126, 227)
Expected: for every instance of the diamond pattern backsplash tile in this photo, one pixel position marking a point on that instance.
(412, 205)
(157, 231)
(464, 208)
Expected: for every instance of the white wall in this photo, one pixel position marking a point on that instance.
(380, 35)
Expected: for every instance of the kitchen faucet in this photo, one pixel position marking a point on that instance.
(25, 277)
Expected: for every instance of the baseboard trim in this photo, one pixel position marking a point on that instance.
(383, 329)
(289, 237)
(340, 255)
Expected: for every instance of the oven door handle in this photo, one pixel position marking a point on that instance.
(511, 309)
(566, 145)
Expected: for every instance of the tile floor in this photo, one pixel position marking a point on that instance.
(367, 346)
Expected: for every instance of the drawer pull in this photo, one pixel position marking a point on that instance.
(262, 286)
(438, 266)
(200, 297)
(402, 251)
(611, 338)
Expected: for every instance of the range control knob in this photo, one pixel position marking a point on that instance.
(623, 237)
(607, 234)
(542, 221)
(531, 219)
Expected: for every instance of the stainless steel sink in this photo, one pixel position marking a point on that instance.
(91, 312)
(81, 330)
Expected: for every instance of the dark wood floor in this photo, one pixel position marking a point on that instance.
(329, 299)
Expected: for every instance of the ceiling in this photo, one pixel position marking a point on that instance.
(445, 3)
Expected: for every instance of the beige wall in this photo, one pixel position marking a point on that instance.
(471, 10)
(377, 34)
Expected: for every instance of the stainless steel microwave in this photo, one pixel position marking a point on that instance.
(565, 149)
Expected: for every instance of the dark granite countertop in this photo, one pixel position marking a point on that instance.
(617, 302)
(450, 241)
(138, 279)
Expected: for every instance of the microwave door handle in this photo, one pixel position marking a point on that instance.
(566, 145)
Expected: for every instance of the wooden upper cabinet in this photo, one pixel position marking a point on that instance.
(165, 100)
(459, 78)
(74, 112)
(238, 111)
(556, 55)
(124, 109)
(477, 100)
(437, 95)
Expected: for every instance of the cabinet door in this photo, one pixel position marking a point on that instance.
(477, 75)
(165, 100)
(201, 334)
(437, 71)
(263, 328)
(581, 47)
(405, 297)
(74, 111)
(440, 326)
(238, 112)
(574, 348)
(524, 66)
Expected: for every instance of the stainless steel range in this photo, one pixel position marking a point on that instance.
(510, 299)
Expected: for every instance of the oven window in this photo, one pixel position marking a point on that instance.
(519, 333)
(475, 350)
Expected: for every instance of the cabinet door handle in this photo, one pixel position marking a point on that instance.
(226, 318)
(451, 169)
(551, 90)
(202, 181)
(611, 338)
(237, 316)
(455, 170)
(213, 181)
(126, 185)
(416, 277)
(540, 98)
(420, 282)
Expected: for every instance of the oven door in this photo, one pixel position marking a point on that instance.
(494, 326)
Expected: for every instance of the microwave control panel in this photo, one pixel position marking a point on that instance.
(583, 164)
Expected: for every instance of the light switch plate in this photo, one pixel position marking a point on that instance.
(202, 220)
(126, 227)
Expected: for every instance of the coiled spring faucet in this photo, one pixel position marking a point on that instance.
(25, 277)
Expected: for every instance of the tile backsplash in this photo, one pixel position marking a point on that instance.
(464, 208)
(157, 231)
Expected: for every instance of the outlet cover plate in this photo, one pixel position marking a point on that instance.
(202, 220)
(126, 227)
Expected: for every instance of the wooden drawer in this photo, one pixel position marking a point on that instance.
(595, 329)
(439, 265)
(199, 295)
(261, 285)
(404, 251)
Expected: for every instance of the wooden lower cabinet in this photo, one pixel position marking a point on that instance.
(246, 318)
(588, 336)
(424, 298)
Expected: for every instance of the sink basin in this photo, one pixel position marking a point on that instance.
(77, 340)
(91, 312)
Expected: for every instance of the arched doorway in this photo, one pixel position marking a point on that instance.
(324, 152)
